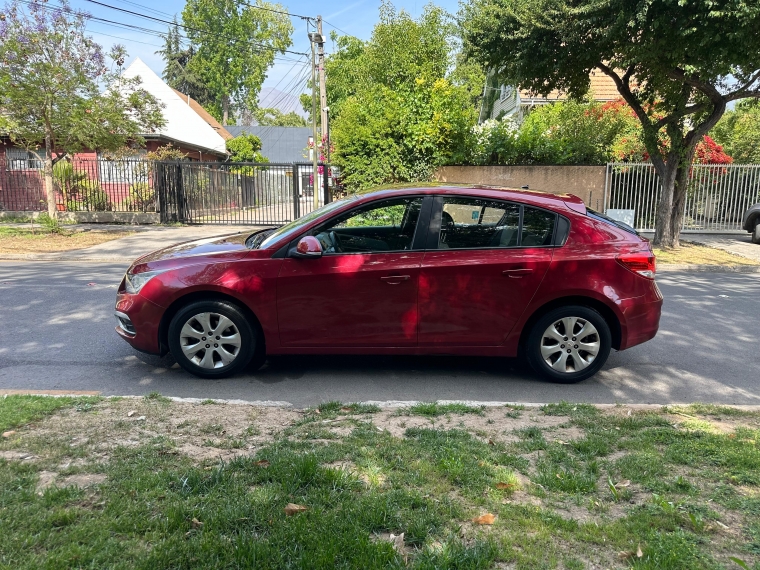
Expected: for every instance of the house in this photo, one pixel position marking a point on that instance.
(189, 128)
(505, 100)
(279, 144)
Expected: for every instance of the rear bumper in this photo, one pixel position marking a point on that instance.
(642, 318)
(138, 322)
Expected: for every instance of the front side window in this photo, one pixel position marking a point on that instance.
(22, 159)
(476, 223)
(385, 226)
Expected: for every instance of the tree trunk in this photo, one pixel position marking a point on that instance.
(225, 110)
(662, 231)
(48, 172)
(679, 202)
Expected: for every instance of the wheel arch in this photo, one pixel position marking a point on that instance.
(177, 304)
(600, 307)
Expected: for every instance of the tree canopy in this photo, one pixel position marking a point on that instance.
(246, 148)
(177, 71)
(51, 96)
(677, 63)
(739, 132)
(398, 105)
(234, 45)
(273, 117)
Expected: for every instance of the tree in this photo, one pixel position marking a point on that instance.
(50, 73)
(739, 132)
(246, 148)
(677, 63)
(271, 117)
(398, 108)
(234, 46)
(177, 70)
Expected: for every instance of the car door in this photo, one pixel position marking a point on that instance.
(362, 292)
(485, 261)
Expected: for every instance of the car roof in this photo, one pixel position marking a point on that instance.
(532, 197)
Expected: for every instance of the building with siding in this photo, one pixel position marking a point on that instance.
(279, 144)
(505, 100)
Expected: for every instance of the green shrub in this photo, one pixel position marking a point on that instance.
(93, 197)
(142, 198)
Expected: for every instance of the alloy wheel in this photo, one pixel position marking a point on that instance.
(570, 344)
(210, 340)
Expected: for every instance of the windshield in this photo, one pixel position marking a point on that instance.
(293, 227)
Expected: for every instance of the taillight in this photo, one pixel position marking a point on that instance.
(642, 263)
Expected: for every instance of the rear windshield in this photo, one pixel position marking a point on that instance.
(599, 216)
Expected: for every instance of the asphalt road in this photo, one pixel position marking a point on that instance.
(56, 333)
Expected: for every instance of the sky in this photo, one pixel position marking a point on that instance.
(288, 75)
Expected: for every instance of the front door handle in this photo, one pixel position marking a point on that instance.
(395, 279)
(516, 273)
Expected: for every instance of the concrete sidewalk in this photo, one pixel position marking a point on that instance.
(127, 249)
(738, 244)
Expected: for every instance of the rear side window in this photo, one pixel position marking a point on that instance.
(538, 227)
(474, 223)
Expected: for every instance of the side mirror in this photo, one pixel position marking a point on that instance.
(308, 246)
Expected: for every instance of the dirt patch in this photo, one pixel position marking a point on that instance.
(15, 240)
(198, 431)
(493, 425)
(16, 456)
(82, 480)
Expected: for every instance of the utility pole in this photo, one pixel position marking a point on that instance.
(314, 37)
(324, 122)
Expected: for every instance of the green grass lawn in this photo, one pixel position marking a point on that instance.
(207, 485)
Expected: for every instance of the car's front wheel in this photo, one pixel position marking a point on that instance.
(569, 344)
(756, 232)
(211, 339)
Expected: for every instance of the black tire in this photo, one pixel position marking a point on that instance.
(535, 341)
(248, 339)
(756, 232)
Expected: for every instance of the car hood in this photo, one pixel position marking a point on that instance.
(228, 247)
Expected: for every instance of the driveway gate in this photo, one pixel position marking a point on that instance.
(237, 193)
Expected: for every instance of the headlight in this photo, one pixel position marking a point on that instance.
(135, 281)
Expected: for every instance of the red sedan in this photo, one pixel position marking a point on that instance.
(468, 271)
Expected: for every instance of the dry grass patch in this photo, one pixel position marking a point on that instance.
(23, 240)
(693, 254)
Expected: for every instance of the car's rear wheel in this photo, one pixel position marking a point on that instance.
(212, 339)
(756, 232)
(569, 344)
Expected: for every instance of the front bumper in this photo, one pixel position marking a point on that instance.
(138, 322)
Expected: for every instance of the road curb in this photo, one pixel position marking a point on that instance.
(386, 404)
(683, 267)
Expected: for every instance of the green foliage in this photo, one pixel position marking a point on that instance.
(676, 63)
(234, 45)
(177, 72)
(567, 132)
(276, 118)
(142, 198)
(739, 132)
(51, 93)
(246, 148)
(399, 104)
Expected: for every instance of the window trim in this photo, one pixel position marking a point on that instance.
(435, 225)
(424, 218)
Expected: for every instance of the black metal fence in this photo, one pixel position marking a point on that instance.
(179, 191)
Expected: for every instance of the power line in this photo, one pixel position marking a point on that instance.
(189, 28)
(337, 28)
(276, 11)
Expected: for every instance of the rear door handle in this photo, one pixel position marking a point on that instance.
(516, 273)
(395, 279)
